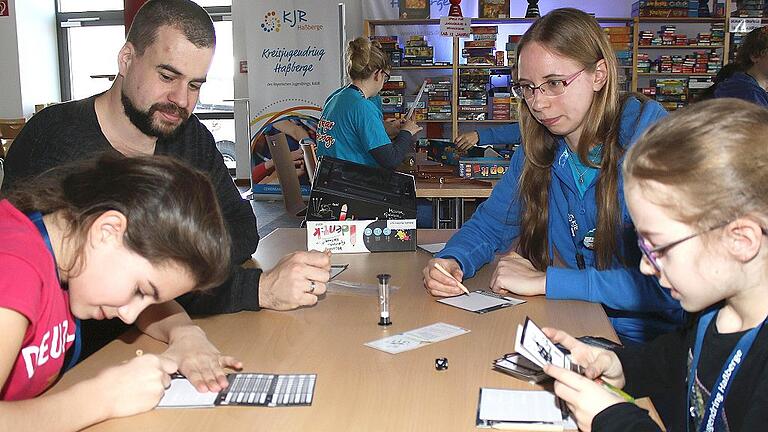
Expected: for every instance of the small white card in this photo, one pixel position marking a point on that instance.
(481, 301)
(416, 338)
(534, 345)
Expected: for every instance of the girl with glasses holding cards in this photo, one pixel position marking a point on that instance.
(697, 187)
(102, 239)
(558, 216)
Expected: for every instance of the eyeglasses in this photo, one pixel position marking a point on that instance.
(387, 76)
(653, 253)
(553, 87)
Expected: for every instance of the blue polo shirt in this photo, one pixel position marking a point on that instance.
(350, 126)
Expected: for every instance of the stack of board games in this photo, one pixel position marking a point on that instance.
(671, 93)
(418, 52)
(673, 9)
(481, 49)
(494, 9)
(473, 94)
(439, 98)
(393, 97)
(391, 47)
(511, 47)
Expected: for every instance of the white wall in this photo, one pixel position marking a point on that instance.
(38, 53)
(10, 89)
(30, 67)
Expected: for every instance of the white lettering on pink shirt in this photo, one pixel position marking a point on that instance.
(39, 355)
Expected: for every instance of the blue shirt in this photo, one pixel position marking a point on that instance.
(743, 86)
(638, 307)
(350, 127)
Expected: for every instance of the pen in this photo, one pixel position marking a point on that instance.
(445, 272)
(619, 392)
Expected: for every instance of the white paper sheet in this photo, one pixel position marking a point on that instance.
(182, 394)
(432, 248)
(526, 406)
(417, 338)
(480, 301)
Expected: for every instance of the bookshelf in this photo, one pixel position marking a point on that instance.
(370, 29)
(669, 56)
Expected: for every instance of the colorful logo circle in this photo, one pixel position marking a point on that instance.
(271, 22)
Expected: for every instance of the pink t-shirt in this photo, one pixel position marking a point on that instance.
(29, 285)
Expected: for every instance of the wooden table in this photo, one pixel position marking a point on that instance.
(358, 388)
(455, 194)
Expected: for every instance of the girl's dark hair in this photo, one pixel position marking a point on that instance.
(576, 35)
(172, 212)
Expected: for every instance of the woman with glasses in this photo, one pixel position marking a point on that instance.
(558, 216)
(351, 126)
(696, 185)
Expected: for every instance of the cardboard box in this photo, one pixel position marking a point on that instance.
(358, 236)
(483, 168)
(353, 199)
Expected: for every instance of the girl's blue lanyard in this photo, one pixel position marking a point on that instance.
(573, 227)
(713, 412)
(37, 219)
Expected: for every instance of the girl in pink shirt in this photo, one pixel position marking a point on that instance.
(95, 240)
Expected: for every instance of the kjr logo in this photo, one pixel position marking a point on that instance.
(273, 20)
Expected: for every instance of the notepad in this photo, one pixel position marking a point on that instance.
(417, 338)
(250, 389)
(520, 410)
(481, 301)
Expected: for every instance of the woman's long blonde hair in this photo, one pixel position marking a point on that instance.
(573, 34)
(364, 57)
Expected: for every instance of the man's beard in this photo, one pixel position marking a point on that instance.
(143, 120)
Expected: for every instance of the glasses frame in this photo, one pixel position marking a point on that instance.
(650, 253)
(566, 82)
(387, 76)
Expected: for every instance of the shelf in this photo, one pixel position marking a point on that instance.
(642, 20)
(642, 47)
(432, 121)
(480, 21)
(422, 67)
(675, 74)
(466, 66)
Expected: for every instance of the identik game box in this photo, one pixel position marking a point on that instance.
(358, 208)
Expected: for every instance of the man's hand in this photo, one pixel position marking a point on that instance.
(393, 126)
(297, 280)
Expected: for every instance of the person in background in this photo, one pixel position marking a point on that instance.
(558, 216)
(505, 134)
(746, 77)
(351, 126)
(697, 188)
(103, 239)
(148, 111)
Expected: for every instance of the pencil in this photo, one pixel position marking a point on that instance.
(445, 272)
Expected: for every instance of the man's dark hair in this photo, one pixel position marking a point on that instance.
(185, 15)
